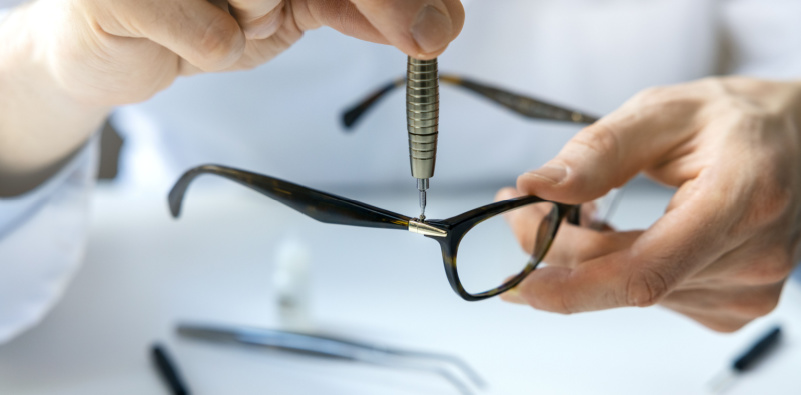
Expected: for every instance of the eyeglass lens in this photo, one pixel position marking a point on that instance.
(490, 253)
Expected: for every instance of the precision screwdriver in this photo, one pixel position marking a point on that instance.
(422, 122)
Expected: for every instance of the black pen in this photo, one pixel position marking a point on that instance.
(168, 370)
(747, 360)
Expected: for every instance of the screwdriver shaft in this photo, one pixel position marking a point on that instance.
(422, 121)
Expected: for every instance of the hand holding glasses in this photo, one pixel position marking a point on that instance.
(480, 271)
(471, 278)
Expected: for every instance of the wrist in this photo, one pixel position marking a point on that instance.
(41, 123)
(56, 46)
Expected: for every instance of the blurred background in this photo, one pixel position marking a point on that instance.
(226, 260)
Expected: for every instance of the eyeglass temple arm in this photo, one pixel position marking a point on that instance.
(319, 205)
(523, 105)
(353, 114)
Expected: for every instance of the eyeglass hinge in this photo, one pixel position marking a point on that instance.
(426, 229)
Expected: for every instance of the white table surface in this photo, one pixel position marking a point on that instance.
(144, 272)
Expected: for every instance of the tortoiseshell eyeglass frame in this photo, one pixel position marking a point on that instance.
(333, 209)
(526, 106)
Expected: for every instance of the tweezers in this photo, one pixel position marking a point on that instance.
(339, 348)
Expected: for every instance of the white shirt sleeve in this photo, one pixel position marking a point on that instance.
(42, 242)
(42, 237)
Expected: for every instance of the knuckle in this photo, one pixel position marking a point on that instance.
(716, 87)
(554, 302)
(549, 303)
(671, 101)
(264, 23)
(221, 43)
(646, 287)
(560, 305)
(744, 114)
(553, 305)
(651, 96)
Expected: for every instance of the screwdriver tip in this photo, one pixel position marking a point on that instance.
(422, 203)
(422, 186)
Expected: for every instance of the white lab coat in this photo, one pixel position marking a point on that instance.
(282, 118)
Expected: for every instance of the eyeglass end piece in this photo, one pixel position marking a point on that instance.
(419, 227)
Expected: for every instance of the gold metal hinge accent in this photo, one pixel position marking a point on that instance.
(426, 229)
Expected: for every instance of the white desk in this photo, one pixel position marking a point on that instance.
(144, 272)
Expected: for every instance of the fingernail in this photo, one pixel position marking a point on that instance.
(432, 29)
(513, 296)
(551, 173)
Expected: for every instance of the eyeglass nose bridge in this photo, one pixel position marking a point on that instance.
(426, 229)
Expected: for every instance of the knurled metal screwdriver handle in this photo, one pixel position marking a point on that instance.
(422, 115)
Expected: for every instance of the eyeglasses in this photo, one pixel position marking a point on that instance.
(476, 275)
(526, 106)
(480, 272)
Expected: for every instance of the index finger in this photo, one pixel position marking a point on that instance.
(420, 28)
(196, 30)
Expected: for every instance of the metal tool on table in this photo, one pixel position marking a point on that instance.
(449, 367)
(422, 122)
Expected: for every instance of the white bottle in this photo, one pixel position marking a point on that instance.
(292, 284)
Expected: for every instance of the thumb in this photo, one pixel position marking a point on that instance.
(420, 28)
(610, 152)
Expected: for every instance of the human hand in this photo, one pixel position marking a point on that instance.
(74, 60)
(729, 238)
(108, 53)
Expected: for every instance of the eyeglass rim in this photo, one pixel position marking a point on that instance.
(461, 226)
